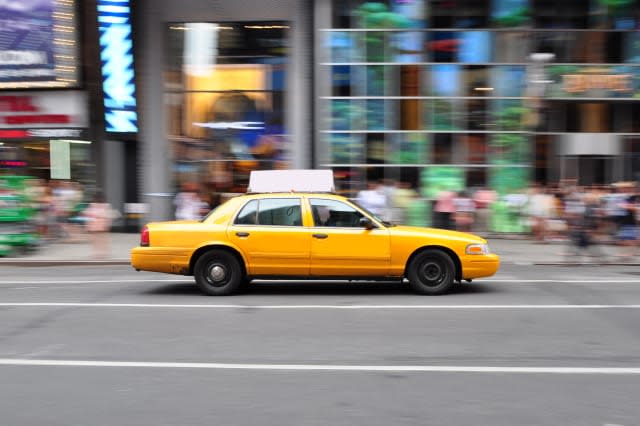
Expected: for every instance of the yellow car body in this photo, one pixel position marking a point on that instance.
(293, 235)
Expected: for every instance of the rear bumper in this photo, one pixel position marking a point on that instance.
(159, 260)
(480, 266)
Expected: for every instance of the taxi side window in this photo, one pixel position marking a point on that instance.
(280, 212)
(334, 213)
(249, 214)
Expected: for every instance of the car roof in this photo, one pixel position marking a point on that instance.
(293, 194)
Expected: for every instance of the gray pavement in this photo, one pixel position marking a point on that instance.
(512, 249)
(543, 345)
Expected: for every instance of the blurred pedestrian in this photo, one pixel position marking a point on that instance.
(464, 212)
(188, 203)
(444, 209)
(539, 208)
(373, 198)
(483, 198)
(402, 198)
(628, 231)
(98, 218)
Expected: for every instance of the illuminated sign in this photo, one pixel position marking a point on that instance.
(38, 44)
(116, 54)
(578, 83)
(43, 115)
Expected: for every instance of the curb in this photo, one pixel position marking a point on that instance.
(54, 262)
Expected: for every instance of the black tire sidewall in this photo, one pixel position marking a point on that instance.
(232, 265)
(418, 283)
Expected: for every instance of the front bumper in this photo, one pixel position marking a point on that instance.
(479, 266)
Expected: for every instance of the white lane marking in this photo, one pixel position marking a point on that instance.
(346, 307)
(322, 367)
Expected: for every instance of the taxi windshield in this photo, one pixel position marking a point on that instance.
(373, 215)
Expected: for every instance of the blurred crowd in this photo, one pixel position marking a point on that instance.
(54, 211)
(584, 217)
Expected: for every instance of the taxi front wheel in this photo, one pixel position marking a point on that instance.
(431, 272)
(218, 273)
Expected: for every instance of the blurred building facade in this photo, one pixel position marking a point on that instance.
(155, 95)
(442, 94)
(466, 93)
(45, 120)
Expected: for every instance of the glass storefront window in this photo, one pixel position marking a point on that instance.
(348, 114)
(512, 46)
(475, 81)
(477, 115)
(408, 148)
(225, 101)
(450, 89)
(33, 158)
(443, 46)
(508, 80)
(597, 47)
(615, 14)
(343, 47)
(509, 115)
(560, 14)
(444, 115)
(510, 13)
(346, 148)
(632, 47)
(475, 147)
(475, 47)
(445, 80)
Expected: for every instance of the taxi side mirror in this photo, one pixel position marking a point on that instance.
(365, 222)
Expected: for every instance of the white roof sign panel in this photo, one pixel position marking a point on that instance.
(291, 180)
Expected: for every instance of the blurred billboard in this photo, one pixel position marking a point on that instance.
(38, 44)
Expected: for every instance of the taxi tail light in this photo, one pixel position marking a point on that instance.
(144, 237)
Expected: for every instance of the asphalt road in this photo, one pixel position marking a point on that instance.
(108, 346)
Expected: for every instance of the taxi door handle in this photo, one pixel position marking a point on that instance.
(320, 236)
(242, 234)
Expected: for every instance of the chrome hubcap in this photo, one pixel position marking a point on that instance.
(217, 273)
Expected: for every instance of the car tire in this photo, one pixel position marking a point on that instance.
(431, 272)
(218, 273)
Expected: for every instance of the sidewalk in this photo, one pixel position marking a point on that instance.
(511, 250)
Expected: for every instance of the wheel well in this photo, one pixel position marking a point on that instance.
(448, 251)
(202, 250)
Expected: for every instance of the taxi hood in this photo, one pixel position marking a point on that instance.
(437, 233)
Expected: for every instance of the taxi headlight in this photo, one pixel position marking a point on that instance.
(477, 249)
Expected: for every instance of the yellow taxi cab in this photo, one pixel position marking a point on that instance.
(301, 234)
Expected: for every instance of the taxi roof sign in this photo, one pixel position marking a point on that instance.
(300, 180)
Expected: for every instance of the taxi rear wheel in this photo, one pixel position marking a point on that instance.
(431, 272)
(218, 273)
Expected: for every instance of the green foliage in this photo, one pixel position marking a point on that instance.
(411, 150)
(376, 15)
(510, 118)
(506, 180)
(518, 17)
(442, 178)
(345, 148)
(615, 4)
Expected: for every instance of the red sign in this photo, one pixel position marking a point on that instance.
(21, 106)
(13, 134)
